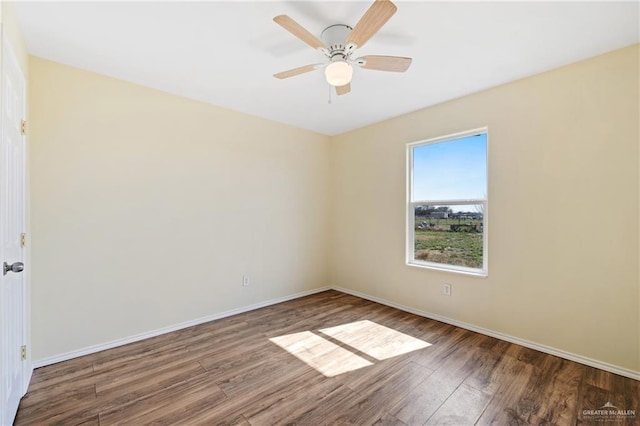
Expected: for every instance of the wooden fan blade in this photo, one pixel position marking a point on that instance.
(343, 90)
(295, 71)
(373, 19)
(298, 30)
(386, 63)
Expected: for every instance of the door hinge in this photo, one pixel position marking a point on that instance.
(23, 239)
(23, 352)
(23, 127)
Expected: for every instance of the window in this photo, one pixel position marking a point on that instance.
(447, 203)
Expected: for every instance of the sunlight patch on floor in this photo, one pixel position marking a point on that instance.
(366, 337)
(375, 340)
(321, 354)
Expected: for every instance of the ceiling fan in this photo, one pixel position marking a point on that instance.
(338, 44)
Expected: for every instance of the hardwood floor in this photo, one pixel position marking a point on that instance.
(229, 372)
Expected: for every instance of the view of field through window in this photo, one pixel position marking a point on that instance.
(448, 197)
(443, 235)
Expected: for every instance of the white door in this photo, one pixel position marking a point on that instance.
(14, 370)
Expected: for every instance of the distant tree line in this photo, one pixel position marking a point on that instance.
(428, 211)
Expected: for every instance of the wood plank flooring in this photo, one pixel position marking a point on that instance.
(229, 372)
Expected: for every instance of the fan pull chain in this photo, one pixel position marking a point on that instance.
(329, 101)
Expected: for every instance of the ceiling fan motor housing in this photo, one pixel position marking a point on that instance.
(334, 37)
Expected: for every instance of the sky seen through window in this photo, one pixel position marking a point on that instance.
(451, 170)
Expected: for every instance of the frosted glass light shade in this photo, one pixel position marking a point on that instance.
(338, 73)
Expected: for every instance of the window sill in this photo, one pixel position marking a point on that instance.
(438, 267)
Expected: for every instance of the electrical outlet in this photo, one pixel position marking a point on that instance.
(446, 289)
(245, 281)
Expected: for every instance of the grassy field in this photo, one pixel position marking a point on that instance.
(453, 248)
(442, 222)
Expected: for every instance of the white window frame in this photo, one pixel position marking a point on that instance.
(411, 204)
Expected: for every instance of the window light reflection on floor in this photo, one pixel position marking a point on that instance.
(375, 340)
(319, 353)
(366, 337)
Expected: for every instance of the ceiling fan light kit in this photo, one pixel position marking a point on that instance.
(338, 73)
(340, 41)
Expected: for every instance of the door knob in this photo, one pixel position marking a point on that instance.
(15, 267)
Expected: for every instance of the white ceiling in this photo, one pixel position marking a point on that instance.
(225, 53)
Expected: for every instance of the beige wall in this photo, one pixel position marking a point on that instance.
(149, 208)
(564, 210)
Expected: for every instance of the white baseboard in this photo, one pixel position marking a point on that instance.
(526, 343)
(119, 342)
